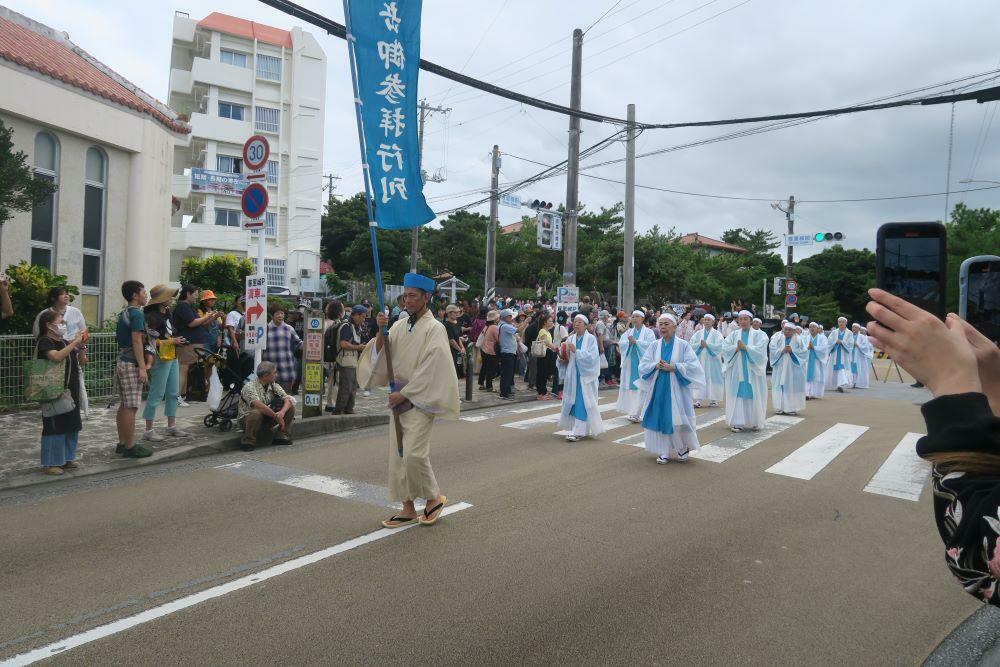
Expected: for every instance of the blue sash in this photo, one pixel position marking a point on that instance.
(813, 359)
(633, 361)
(660, 412)
(854, 356)
(745, 390)
(701, 349)
(579, 407)
(839, 365)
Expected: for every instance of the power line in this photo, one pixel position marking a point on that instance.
(618, 2)
(478, 44)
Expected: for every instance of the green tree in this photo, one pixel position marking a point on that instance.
(223, 274)
(29, 293)
(823, 308)
(971, 232)
(845, 273)
(19, 189)
(345, 222)
(458, 245)
(758, 241)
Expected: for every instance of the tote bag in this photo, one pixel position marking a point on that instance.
(44, 380)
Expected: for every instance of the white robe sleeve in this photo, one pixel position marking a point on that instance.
(587, 358)
(688, 366)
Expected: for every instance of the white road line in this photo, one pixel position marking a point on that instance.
(348, 489)
(100, 632)
(637, 440)
(816, 454)
(609, 425)
(729, 446)
(903, 474)
(525, 424)
(502, 412)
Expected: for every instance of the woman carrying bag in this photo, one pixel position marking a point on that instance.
(61, 424)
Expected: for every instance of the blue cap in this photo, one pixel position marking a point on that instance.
(420, 282)
(359, 310)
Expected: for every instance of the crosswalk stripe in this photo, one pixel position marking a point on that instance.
(729, 446)
(816, 454)
(332, 486)
(903, 474)
(637, 439)
(609, 425)
(549, 419)
(483, 415)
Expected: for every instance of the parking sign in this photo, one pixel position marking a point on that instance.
(255, 315)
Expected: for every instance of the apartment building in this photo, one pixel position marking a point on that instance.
(233, 78)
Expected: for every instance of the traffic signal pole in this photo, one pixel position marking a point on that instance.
(573, 162)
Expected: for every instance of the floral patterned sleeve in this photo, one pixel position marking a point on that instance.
(966, 506)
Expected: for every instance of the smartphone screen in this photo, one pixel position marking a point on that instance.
(911, 259)
(983, 298)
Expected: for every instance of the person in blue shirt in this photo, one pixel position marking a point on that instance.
(130, 370)
(508, 353)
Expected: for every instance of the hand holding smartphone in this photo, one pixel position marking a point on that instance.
(979, 294)
(911, 263)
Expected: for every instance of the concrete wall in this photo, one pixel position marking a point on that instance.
(139, 154)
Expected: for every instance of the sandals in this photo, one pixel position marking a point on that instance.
(431, 515)
(398, 521)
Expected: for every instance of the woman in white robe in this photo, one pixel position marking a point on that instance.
(670, 372)
(841, 343)
(744, 365)
(861, 358)
(816, 358)
(633, 344)
(580, 361)
(707, 345)
(788, 378)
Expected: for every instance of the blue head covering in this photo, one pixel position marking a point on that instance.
(420, 282)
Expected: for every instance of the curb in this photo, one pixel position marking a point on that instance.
(976, 641)
(305, 428)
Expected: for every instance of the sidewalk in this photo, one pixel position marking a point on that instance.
(19, 455)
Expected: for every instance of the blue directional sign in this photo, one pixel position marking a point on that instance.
(254, 202)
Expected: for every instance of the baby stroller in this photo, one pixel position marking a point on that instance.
(233, 370)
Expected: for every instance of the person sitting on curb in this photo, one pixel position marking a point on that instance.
(264, 405)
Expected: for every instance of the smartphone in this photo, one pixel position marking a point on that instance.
(979, 294)
(911, 262)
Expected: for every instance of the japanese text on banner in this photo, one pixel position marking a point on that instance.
(387, 51)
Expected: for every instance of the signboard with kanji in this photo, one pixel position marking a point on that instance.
(255, 315)
(312, 364)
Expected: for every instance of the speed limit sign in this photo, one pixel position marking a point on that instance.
(255, 152)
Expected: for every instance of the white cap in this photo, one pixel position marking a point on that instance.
(667, 316)
(758, 320)
(841, 319)
(583, 318)
(710, 316)
(638, 313)
(745, 313)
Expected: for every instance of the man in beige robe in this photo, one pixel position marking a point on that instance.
(425, 386)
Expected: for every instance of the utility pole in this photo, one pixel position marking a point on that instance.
(425, 110)
(491, 231)
(330, 187)
(790, 215)
(628, 268)
(573, 163)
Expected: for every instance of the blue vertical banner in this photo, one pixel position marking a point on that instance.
(387, 53)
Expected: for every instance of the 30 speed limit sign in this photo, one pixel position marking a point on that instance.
(255, 152)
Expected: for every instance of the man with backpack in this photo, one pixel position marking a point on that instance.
(349, 341)
(331, 346)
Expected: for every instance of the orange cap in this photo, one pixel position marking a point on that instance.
(208, 294)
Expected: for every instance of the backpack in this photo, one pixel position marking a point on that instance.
(331, 342)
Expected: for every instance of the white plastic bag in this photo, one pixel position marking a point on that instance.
(214, 390)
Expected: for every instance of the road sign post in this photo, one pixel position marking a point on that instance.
(255, 316)
(254, 202)
(568, 298)
(312, 365)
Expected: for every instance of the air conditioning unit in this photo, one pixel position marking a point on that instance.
(305, 273)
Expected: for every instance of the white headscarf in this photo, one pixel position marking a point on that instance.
(638, 313)
(745, 313)
(583, 318)
(709, 316)
(667, 316)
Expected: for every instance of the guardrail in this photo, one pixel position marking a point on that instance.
(98, 375)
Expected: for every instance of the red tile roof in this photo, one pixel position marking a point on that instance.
(232, 25)
(512, 228)
(702, 240)
(41, 51)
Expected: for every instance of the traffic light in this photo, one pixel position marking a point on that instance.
(826, 237)
(537, 203)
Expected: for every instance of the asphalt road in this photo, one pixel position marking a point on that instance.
(555, 553)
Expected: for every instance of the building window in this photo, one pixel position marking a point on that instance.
(270, 226)
(233, 58)
(269, 67)
(43, 216)
(272, 172)
(93, 226)
(227, 217)
(229, 164)
(230, 110)
(267, 119)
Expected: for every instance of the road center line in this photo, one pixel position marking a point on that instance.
(903, 474)
(102, 631)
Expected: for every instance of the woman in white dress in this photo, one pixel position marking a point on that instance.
(788, 378)
(841, 343)
(707, 345)
(580, 363)
(633, 344)
(816, 358)
(744, 365)
(670, 371)
(861, 358)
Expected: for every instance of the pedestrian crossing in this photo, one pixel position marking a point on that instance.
(902, 475)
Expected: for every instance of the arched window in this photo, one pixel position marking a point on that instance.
(43, 216)
(94, 199)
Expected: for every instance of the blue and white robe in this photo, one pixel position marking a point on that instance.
(861, 361)
(745, 373)
(816, 360)
(788, 374)
(580, 373)
(668, 419)
(629, 395)
(710, 357)
(841, 344)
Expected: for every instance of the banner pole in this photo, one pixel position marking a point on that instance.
(372, 225)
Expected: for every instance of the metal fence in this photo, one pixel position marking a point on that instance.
(98, 374)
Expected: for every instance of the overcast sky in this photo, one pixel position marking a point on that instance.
(693, 60)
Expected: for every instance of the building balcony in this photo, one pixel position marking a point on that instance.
(181, 82)
(221, 74)
(184, 28)
(209, 236)
(180, 185)
(220, 129)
